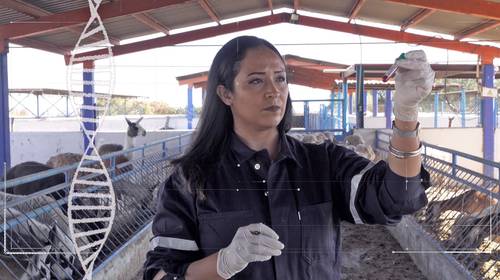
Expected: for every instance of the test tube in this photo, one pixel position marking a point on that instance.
(392, 70)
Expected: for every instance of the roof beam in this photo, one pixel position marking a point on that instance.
(191, 35)
(25, 8)
(209, 10)
(353, 13)
(476, 29)
(37, 12)
(41, 45)
(81, 16)
(152, 23)
(480, 8)
(399, 36)
(270, 5)
(416, 18)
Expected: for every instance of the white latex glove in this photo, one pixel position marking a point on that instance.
(414, 80)
(252, 243)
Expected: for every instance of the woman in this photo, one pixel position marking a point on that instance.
(246, 201)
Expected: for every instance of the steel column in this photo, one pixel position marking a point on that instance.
(306, 115)
(360, 89)
(190, 107)
(365, 101)
(488, 119)
(345, 87)
(88, 87)
(339, 110)
(462, 105)
(4, 112)
(350, 103)
(375, 102)
(388, 108)
(436, 109)
(332, 111)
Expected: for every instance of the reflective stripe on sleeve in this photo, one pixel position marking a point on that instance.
(173, 243)
(354, 190)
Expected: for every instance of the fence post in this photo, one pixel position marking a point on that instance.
(164, 149)
(306, 115)
(113, 167)
(436, 109)
(332, 111)
(454, 164)
(180, 144)
(462, 105)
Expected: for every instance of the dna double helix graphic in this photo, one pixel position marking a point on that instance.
(91, 200)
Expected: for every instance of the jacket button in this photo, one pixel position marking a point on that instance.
(256, 166)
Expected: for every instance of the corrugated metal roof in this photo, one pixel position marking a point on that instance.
(191, 13)
(334, 8)
(8, 16)
(59, 6)
(383, 12)
(434, 23)
(227, 10)
(180, 16)
(65, 39)
(126, 27)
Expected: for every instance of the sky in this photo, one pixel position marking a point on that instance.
(153, 73)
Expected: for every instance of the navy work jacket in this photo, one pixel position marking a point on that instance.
(303, 195)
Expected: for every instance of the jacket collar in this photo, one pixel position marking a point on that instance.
(243, 153)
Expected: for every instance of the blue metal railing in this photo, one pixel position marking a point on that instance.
(328, 118)
(454, 154)
(462, 210)
(149, 172)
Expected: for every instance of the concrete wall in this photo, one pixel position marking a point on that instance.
(128, 260)
(426, 255)
(425, 119)
(110, 123)
(466, 140)
(40, 146)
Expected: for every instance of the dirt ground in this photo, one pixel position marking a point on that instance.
(367, 254)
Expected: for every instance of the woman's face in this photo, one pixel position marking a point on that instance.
(260, 92)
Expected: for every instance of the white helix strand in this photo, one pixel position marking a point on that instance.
(91, 200)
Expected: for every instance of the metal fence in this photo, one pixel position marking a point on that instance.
(34, 231)
(320, 115)
(462, 216)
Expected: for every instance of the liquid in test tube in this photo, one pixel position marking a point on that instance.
(392, 70)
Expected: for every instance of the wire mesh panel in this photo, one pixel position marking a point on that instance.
(34, 231)
(463, 212)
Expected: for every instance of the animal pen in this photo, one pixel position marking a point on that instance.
(461, 221)
(35, 227)
(454, 237)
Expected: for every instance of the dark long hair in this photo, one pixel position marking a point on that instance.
(212, 134)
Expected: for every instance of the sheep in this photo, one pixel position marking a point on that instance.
(354, 140)
(29, 168)
(471, 203)
(46, 232)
